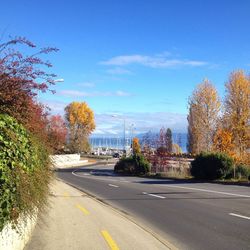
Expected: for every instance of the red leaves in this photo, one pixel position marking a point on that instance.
(21, 77)
(14, 64)
(57, 132)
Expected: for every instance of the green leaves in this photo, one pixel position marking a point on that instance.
(22, 161)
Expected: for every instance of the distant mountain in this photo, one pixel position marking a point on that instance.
(178, 138)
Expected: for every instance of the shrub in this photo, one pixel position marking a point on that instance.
(211, 166)
(24, 171)
(242, 172)
(133, 165)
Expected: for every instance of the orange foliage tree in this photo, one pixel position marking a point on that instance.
(204, 108)
(136, 146)
(223, 141)
(236, 116)
(81, 122)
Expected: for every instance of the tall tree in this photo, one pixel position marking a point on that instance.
(22, 77)
(57, 133)
(136, 146)
(169, 141)
(81, 123)
(204, 108)
(162, 138)
(223, 141)
(237, 111)
(176, 148)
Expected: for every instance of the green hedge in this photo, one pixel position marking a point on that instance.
(133, 165)
(242, 172)
(211, 166)
(24, 171)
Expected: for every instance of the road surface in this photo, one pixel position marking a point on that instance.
(188, 215)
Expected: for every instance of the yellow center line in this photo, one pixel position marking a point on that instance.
(66, 195)
(109, 240)
(84, 210)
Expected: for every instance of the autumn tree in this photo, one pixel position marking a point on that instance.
(162, 138)
(204, 108)
(237, 111)
(22, 77)
(223, 141)
(81, 122)
(169, 141)
(176, 149)
(136, 146)
(57, 132)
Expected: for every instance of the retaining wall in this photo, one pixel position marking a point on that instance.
(67, 160)
(10, 239)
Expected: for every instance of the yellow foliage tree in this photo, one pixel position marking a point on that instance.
(81, 123)
(204, 108)
(176, 149)
(223, 141)
(237, 111)
(136, 146)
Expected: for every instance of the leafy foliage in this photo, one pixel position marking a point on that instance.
(204, 108)
(241, 172)
(24, 171)
(57, 132)
(237, 112)
(22, 77)
(133, 165)
(81, 123)
(211, 166)
(136, 146)
(169, 141)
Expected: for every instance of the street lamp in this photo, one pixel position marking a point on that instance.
(59, 80)
(124, 131)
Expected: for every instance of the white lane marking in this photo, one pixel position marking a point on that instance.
(207, 190)
(154, 195)
(111, 185)
(92, 177)
(124, 181)
(241, 216)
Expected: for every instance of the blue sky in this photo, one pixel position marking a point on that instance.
(137, 59)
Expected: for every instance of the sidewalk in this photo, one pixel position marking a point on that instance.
(77, 221)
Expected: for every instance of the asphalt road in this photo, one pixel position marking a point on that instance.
(188, 215)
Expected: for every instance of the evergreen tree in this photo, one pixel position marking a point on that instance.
(169, 141)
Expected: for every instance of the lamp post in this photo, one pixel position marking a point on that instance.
(124, 131)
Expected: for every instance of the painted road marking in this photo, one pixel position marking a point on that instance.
(207, 190)
(154, 195)
(84, 210)
(240, 216)
(109, 240)
(66, 195)
(111, 185)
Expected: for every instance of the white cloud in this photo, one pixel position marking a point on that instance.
(118, 71)
(158, 61)
(122, 93)
(56, 107)
(77, 93)
(86, 84)
(143, 122)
